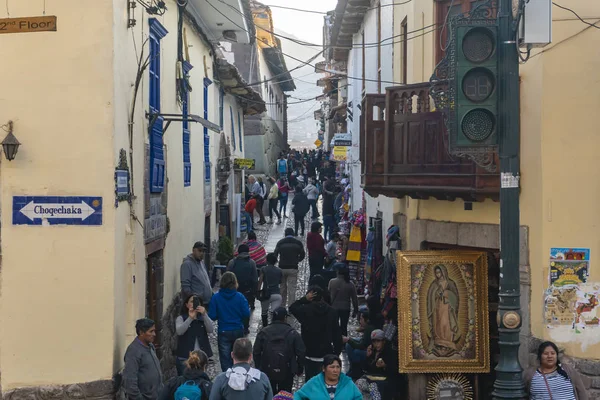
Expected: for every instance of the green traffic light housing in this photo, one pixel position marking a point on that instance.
(476, 86)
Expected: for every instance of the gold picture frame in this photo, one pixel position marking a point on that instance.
(443, 320)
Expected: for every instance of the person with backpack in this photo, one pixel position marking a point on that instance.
(279, 352)
(246, 273)
(270, 295)
(312, 194)
(343, 292)
(230, 308)
(300, 209)
(193, 385)
(241, 381)
(320, 329)
(273, 200)
(284, 189)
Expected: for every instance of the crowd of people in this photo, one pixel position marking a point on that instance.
(266, 369)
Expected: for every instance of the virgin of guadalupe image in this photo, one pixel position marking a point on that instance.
(442, 313)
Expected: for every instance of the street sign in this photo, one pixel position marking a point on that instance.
(57, 210)
(244, 163)
(28, 24)
(318, 143)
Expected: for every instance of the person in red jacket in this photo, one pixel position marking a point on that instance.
(250, 207)
(315, 245)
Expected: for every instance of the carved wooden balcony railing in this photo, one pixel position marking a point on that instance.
(404, 150)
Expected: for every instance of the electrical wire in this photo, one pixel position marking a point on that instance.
(565, 40)
(442, 47)
(577, 15)
(308, 44)
(7, 10)
(325, 13)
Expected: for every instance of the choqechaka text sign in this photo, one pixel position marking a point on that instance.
(28, 24)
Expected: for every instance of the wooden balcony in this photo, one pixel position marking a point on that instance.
(404, 151)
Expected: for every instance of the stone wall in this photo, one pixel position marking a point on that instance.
(98, 390)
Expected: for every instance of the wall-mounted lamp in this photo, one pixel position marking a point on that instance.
(10, 144)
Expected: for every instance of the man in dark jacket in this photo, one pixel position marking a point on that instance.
(142, 377)
(246, 273)
(290, 252)
(267, 357)
(320, 329)
(194, 275)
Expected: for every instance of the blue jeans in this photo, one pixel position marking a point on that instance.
(179, 364)
(249, 222)
(225, 341)
(313, 204)
(283, 205)
(328, 226)
(356, 358)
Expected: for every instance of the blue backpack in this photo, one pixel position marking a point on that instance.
(188, 391)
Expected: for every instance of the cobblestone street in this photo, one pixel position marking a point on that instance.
(269, 235)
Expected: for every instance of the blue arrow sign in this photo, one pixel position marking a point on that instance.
(57, 210)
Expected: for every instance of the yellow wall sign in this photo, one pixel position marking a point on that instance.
(318, 143)
(28, 24)
(339, 153)
(244, 163)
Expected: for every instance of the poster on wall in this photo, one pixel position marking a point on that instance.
(569, 266)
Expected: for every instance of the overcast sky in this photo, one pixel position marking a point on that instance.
(305, 26)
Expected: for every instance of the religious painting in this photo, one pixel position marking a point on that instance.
(443, 312)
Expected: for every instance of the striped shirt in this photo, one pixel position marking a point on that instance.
(560, 387)
(257, 253)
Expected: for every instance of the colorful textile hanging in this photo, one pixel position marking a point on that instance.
(355, 244)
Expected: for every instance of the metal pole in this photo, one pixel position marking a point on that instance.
(509, 384)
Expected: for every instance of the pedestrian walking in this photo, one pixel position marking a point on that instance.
(241, 381)
(258, 195)
(142, 376)
(246, 274)
(284, 189)
(327, 207)
(257, 251)
(251, 206)
(290, 252)
(192, 327)
(331, 250)
(230, 308)
(194, 275)
(194, 384)
(300, 209)
(315, 244)
(282, 166)
(270, 281)
(343, 292)
(312, 194)
(330, 384)
(273, 199)
(320, 329)
(260, 200)
(279, 352)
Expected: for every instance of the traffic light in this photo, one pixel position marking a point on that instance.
(476, 86)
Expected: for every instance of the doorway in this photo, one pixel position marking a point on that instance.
(483, 384)
(155, 276)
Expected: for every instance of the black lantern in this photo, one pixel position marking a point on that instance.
(10, 144)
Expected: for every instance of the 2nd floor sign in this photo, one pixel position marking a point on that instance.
(57, 210)
(28, 24)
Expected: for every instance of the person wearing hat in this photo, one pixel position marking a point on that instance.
(194, 275)
(379, 368)
(279, 352)
(246, 273)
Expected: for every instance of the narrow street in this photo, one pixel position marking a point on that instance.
(269, 235)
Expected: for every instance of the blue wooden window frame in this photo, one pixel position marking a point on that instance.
(207, 171)
(157, 156)
(240, 129)
(187, 162)
(232, 127)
